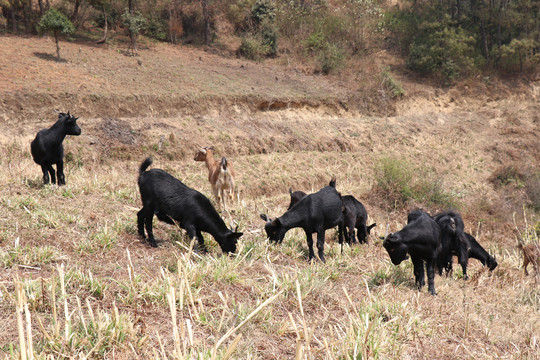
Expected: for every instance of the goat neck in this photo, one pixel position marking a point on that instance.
(209, 158)
(293, 218)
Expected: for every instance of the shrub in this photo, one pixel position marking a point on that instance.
(398, 182)
(507, 174)
(269, 37)
(442, 51)
(253, 48)
(532, 188)
(261, 42)
(263, 11)
(330, 59)
(391, 85)
(518, 56)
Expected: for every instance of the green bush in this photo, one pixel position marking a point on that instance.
(444, 52)
(262, 40)
(269, 38)
(532, 188)
(330, 59)
(263, 11)
(253, 48)
(398, 183)
(391, 85)
(518, 56)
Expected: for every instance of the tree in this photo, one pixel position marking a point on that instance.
(56, 23)
(206, 14)
(135, 23)
(104, 7)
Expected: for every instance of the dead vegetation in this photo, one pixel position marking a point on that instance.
(76, 281)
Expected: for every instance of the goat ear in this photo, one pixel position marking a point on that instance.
(265, 217)
(290, 191)
(276, 222)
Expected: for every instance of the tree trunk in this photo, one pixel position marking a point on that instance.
(26, 16)
(41, 7)
(75, 11)
(57, 47)
(104, 38)
(206, 15)
(484, 40)
(132, 36)
(13, 18)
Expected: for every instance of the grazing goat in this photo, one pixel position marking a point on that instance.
(220, 175)
(421, 239)
(453, 242)
(355, 218)
(531, 254)
(476, 251)
(314, 213)
(47, 148)
(175, 203)
(296, 196)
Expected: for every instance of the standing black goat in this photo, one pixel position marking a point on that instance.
(314, 213)
(47, 148)
(355, 218)
(453, 242)
(421, 239)
(173, 202)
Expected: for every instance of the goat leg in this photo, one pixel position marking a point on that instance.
(52, 173)
(309, 237)
(418, 266)
(320, 243)
(45, 170)
(200, 239)
(148, 223)
(430, 267)
(140, 222)
(60, 173)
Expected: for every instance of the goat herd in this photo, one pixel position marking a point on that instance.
(432, 240)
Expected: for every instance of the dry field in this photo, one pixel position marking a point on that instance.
(77, 282)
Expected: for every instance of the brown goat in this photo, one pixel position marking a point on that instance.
(531, 254)
(220, 175)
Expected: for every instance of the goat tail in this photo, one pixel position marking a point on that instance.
(145, 164)
(224, 163)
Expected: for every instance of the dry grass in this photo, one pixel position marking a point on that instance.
(79, 282)
(76, 281)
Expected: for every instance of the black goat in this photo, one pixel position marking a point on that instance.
(173, 202)
(453, 242)
(476, 251)
(314, 213)
(47, 148)
(296, 196)
(355, 218)
(421, 239)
